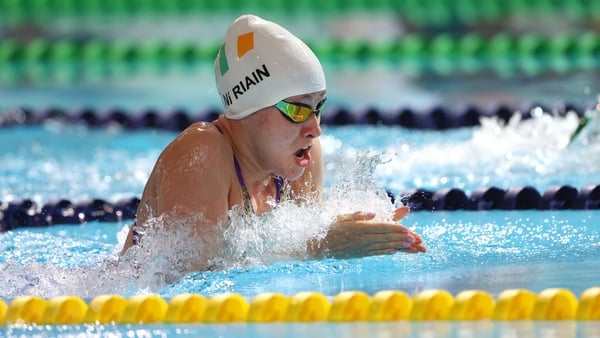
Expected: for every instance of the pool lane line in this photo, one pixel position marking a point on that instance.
(551, 304)
(26, 213)
(177, 119)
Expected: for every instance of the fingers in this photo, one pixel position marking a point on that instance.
(389, 248)
(361, 223)
(417, 237)
(373, 228)
(357, 234)
(381, 252)
(400, 213)
(393, 240)
(356, 216)
(378, 243)
(367, 248)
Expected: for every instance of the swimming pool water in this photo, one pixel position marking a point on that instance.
(487, 250)
(492, 251)
(55, 160)
(361, 329)
(482, 329)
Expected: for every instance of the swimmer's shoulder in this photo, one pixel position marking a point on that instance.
(205, 134)
(197, 141)
(203, 129)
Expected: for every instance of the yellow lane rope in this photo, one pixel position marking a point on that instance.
(349, 306)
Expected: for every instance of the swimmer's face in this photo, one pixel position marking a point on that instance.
(287, 150)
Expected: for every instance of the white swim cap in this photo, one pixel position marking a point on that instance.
(261, 63)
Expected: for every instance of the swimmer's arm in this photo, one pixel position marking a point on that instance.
(187, 181)
(195, 179)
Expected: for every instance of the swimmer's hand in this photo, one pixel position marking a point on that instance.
(357, 235)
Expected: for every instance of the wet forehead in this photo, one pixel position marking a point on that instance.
(310, 98)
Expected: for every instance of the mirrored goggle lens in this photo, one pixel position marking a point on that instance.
(298, 113)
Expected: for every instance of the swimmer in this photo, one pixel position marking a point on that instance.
(588, 128)
(263, 149)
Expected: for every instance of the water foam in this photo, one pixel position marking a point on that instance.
(172, 247)
(498, 153)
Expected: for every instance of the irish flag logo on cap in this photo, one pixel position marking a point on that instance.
(245, 43)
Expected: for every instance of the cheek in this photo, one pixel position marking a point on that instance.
(277, 129)
(284, 133)
(280, 143)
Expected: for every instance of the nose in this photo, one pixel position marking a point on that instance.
(312, 127)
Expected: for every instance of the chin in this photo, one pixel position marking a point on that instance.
(295, 174)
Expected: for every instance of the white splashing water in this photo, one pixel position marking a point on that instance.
(535, 150)
(172, 247)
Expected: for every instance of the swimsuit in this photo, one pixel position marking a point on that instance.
(280, 188)
(279, 184)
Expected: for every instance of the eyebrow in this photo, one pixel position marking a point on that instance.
(302, 100)
(304, 104)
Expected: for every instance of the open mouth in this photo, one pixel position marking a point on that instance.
(303, 151)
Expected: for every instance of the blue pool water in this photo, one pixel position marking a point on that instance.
(64, 161)
(487, 250)
(491, 250)
(482, 329)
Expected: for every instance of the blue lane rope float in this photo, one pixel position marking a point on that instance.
(434, 118)
(551, 304)
(27, 213)
(515, 198)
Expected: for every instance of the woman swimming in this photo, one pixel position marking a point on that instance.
(264, 146)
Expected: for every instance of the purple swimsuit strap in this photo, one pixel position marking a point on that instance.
(279, 182)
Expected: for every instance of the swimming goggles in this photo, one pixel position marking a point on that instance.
(298, 112)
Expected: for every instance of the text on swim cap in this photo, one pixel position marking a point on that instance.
(252, 79)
